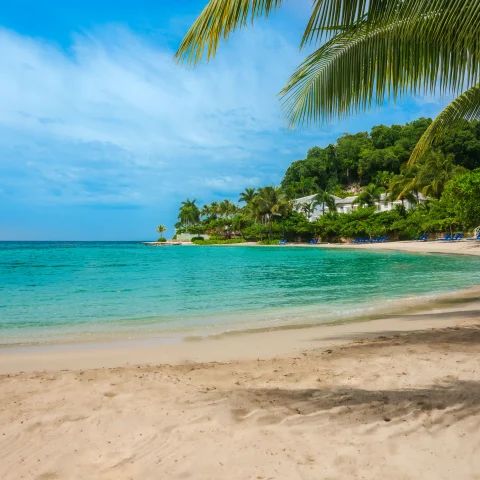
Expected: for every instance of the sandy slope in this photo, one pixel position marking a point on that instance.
(404, 407)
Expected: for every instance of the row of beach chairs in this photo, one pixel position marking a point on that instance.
(371, 240)
(422, 238)
(451, 238)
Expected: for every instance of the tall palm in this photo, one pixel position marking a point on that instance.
(226, 208)
(403, 186)
(247, 195)
(189, 213)
(324, 199)
(239, 223)
(369, 195)
(214, 210)
(205, 211)
(271, 202)
(435, 172)
(367, 51)
(308, 208)
(161, 229)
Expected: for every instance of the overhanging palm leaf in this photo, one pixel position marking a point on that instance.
(376, 49)
(466, 106)
(217, 21)
(364, 65)
(334, 16)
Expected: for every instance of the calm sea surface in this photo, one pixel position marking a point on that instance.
(58, 291)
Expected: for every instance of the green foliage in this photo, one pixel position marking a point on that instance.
(461, 199)
(377, 162)
(161, 239)
(194, 239)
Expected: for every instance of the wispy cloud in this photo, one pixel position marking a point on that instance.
(116, 120)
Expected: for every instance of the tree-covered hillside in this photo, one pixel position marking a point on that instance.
(375, 156)
(368, 164)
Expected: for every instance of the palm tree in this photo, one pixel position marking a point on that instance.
(189, 213)
(369, 195)
(324, 199)
(271, 202)
(366, 52)
(214, 210)
(403, 186)
(239, 223)
(161, 229)
(227, 208)
(308, 208)
(247, 195)
(435, 172)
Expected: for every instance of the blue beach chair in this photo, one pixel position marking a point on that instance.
(458, 237)
(448, 237)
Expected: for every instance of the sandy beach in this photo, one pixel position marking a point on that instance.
(455, 248)
(395, 397)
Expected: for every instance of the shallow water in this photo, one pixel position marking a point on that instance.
(64, 291)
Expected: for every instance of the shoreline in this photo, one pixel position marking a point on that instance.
(462, 247)
(446, 310)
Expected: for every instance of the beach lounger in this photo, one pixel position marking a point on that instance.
(458, 237)
(282, 242)
(447, 238)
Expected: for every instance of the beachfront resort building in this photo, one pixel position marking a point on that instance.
(346, 205)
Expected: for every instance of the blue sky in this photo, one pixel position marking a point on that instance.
(102, 135)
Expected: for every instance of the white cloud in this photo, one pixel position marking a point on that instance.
(116, 113)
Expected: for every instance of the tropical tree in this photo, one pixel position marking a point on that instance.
(366, 52)
(239, 223)
(161, 229)
(247, 195)
(369, 196)
(227, 209)
(189, 213)
(324, 199)
(308, 208)
(271, 202)
(403, 186)
(436, 170)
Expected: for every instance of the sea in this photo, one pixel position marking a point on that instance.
(62, 292)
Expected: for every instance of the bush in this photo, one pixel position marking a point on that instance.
(162, 239)
(197, 238)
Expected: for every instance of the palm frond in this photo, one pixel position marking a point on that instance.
(334, 16)
(216, 22)
(466, 106)
(363, 65)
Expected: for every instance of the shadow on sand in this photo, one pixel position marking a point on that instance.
(438, 406)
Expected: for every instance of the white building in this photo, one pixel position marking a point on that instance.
(346, 205)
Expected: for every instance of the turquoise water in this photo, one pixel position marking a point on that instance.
(57, 291)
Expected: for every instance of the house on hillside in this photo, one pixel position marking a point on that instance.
(347, 205)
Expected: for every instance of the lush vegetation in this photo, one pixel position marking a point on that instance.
(365, 53)
(366, 164)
